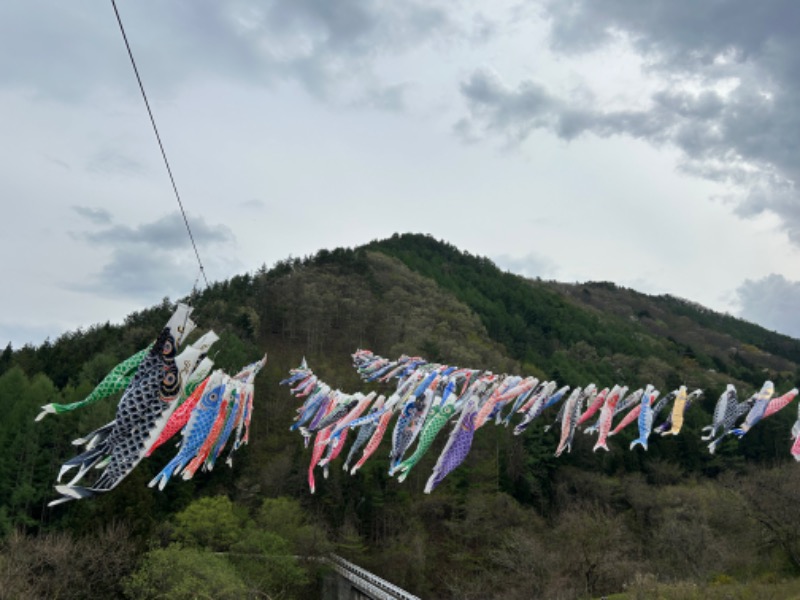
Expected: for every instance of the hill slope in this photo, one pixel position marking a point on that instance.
(586, 522)
(599, 330)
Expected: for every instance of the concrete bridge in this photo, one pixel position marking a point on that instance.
(354, 583)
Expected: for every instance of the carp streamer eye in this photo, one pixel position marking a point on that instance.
(167, 349)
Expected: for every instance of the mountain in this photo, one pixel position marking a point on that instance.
(513, 521)
(600, 330)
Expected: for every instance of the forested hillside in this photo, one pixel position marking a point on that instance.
(512, 522)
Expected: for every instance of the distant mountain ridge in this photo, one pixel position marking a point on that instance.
(561, 327)
(337, 299)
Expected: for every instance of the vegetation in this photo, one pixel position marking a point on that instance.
(512, 522)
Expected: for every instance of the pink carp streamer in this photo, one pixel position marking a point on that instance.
(165, 391)
(472, 399)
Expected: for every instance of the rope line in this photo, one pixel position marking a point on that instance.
(160, 145)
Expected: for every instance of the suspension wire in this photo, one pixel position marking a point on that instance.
(160, 145)
(193, 295)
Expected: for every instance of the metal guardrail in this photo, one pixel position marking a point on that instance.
(369, 583)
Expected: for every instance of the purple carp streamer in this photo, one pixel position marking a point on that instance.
(154, 382)
(328, 415)
(428, 396)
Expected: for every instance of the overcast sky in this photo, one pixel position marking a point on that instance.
(653, 143)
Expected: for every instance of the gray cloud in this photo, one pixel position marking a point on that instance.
(154, 260)
(134, 273)
(675, 33)
(484, 29)
(110, 161)
(99, 216)
(168, 232)
(748, 138)
(513, 112)
(390, 98)
(516, 113)
(253, 204)
(58, 161)
(323, 45)
(317, 43)
(772, 302)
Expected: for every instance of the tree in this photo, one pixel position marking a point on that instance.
(59, 565)
(210, 523)
(5, 358)
(182, 573)
(285, 517)
(265, 562)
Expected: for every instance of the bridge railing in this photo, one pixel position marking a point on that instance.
(372, 585)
